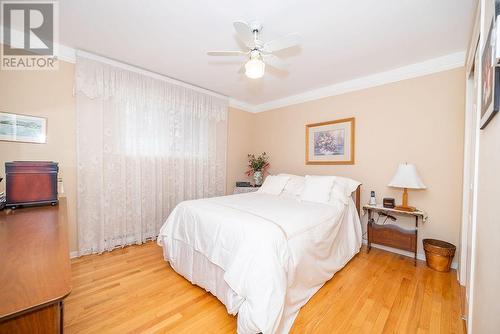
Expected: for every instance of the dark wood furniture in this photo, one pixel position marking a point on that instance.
(390, 234)
(356, 195)
(31, 183)
(35, 269)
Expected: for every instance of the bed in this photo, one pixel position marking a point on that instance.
(262, 255)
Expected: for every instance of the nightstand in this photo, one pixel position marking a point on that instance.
(242, 190)
(393, 235)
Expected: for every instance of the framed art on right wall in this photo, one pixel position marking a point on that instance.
(490, 81)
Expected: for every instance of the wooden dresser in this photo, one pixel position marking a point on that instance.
(34, 269)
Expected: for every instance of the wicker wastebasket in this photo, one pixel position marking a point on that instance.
(439, 254)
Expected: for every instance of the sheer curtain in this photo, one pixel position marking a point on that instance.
(144, 145)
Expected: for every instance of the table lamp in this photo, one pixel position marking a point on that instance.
(406, 177)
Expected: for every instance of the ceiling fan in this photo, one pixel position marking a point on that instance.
(259, 52)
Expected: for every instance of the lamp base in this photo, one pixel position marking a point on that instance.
(405, 208)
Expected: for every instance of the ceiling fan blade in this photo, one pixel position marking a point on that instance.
(226, 53)
(244, 33)
(275, 62)
(282, 43)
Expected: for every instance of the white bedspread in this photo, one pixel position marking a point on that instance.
(276, 252)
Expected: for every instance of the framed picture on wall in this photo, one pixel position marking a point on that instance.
(490, 81)
(23, 128)
(330, 143)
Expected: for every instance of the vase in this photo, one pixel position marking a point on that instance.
(257, 178)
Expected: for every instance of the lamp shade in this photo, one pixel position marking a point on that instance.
(407, 177)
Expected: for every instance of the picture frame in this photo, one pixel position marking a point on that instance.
(23, 128)
(331, 143)
(490, 81)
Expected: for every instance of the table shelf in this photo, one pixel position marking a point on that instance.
(392, 235)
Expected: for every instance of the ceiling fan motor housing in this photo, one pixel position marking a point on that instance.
(255, 26)
(255, 54)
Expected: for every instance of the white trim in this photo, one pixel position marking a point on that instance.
(135, 69)
(67, 54)
(420, 256)
(468, 163)
(241, 105)
(448, 62)
(62, 52)
(129, 241)
(474, 50)
(469, 158)
(439, 64)
(431, 66)
(470, 298)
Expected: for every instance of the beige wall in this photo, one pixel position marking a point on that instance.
(47, 94)
(240, 141)
(419, 121)
(486, 291)
(50, 94)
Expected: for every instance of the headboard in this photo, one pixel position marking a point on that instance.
(356, 196)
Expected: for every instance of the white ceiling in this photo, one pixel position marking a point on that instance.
(341, 39)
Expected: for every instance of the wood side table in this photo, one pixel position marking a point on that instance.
(393, 235)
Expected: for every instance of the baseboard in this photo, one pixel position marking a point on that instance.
(420, 256)
(128, 242)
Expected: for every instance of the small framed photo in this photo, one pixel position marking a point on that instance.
(23, 128)
(330, 143)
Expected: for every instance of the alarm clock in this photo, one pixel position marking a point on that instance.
(389, 203)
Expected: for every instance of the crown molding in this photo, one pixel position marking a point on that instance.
(67, 54)
(62, 52)
(444, 63)
(148, 73)
(233, 103)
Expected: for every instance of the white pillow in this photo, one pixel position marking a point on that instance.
(342, 189)
(273, 184)
(345, 185)
(294, 185)
(338, 194)
(317, 188)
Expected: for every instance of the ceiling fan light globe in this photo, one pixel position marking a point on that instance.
(255, 68)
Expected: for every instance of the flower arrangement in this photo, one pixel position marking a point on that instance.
(257, 164)
(325, 143)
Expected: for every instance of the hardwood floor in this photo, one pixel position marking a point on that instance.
(132, 290)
